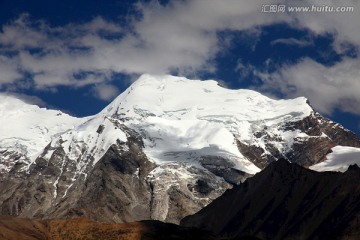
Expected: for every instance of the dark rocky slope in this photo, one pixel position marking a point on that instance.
(286, 201)
(323, 133)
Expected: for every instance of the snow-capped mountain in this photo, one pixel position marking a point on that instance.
(163, 149)
(26, 130)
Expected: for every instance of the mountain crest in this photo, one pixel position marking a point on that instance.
(163, 149)
(354, 167)
(273, 205)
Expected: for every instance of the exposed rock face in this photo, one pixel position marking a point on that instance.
(115, 189)
(112, 190)
(325, 134)
(118, 188)
(152, 154)
(321, 135)
(286, 201)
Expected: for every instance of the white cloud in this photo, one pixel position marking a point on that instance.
(327, 88)
(181, 37)
(292, 41)
(8, 70)
(340, 24)
(27, 98)
(105, 92)
(19, 34)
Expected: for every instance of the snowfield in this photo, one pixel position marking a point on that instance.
(27, 129)
(339, 160)
(179, 120)
(182, 120)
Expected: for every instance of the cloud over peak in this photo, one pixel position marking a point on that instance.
(180, 37)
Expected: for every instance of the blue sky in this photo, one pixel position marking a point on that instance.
(77, 56)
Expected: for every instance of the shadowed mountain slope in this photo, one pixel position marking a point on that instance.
(286, 201)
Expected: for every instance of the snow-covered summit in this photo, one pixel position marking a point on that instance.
(163, 149)
(178, 98)
(179, 117)
(26, 129)
(184, 121)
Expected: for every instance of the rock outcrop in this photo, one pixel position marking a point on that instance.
(286, 201)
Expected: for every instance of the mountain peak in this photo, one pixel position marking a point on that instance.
(27, 128)
(284, 165)
(353, 167)
(175, 144)
(173, 97)
(185, 115)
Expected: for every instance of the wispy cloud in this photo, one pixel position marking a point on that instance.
(27, 98)
(292, 41)
(105, 91)
(8, 70)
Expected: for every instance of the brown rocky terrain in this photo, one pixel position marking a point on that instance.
(80, 228)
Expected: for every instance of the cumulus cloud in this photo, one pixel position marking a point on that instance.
(341, 24)
(327, 88)
(180, 37)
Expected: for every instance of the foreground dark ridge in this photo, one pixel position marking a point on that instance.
(286, 201)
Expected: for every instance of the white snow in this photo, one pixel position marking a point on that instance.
(182, 120)
(85, 143)
(188, 140)
(27, 129)
(339, 160)
(178, 98)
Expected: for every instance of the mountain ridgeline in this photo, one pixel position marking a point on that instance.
(153, 154)
(286, 201)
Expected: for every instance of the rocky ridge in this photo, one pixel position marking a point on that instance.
(153, 154)
(286, 201)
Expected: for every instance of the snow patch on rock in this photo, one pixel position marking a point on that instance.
(339, 159)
